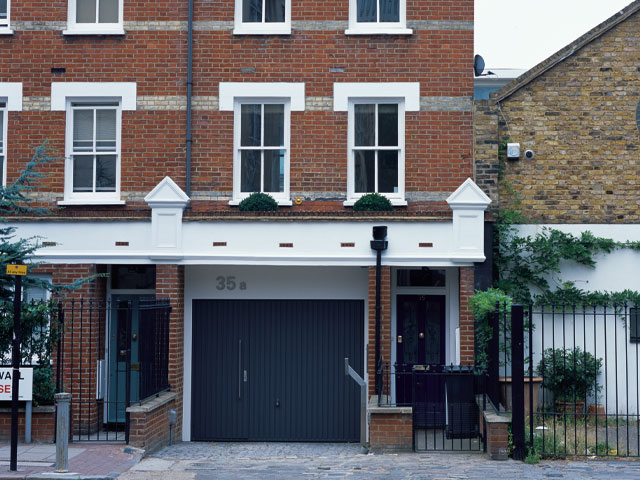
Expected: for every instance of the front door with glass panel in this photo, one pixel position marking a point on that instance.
(123, 336)
(420, 344)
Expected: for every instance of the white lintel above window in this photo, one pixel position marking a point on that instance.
(229, 91)
(378, 17)
(262, 17)
(407, 91)
(95, 17)
(60, 91)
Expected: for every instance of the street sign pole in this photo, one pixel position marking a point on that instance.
(18, 271)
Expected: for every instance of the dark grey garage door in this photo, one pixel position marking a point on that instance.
(273, 370)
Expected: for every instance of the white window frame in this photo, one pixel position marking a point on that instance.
(377, 28)
(5, 25)
(283, 198)
(97, 28)
(3, 133)
(89, 198)
(231, 94)
(262, 28)
(396, 198)
(11, 96)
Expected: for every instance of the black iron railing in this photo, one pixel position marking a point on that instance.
(582, 378)
(444, 403)
(154, 347)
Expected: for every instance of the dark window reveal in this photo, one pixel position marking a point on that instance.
(133, 277)
(425, 277)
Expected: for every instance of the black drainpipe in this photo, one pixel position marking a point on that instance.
(378, 244)
(189, 93)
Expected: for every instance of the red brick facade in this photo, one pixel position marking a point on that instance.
(438, 142)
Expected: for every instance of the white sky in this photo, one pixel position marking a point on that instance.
(522, 33)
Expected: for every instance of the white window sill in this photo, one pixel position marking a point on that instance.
(79, 202)
(396, 202)
(378, 31)
(6, 31)
(93, 31)
(281, 203)
(262, 31)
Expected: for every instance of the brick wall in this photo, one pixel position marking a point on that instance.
(467, 323)
(580, 118)
(153, 53)
(149, 428)
(43, 424)
(485, 126)
(391, 431)
(170, 284)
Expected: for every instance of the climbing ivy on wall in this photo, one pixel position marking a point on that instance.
(529, 267)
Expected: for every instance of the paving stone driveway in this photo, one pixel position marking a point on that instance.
(265, 461)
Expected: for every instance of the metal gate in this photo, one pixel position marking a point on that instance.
(94, 362)
(273, 370)
(581, 368)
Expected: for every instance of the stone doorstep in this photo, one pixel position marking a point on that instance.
(153, 403)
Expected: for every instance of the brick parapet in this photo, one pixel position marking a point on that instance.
(391, 431)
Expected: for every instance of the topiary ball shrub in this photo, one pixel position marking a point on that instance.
(373, 202)
(258, 202)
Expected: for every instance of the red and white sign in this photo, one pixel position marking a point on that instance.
(25, 392)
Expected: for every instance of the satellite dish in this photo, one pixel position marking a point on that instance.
(478, 65)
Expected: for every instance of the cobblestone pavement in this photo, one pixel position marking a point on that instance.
(265, 461)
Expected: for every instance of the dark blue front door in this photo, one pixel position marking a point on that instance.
(420, 345)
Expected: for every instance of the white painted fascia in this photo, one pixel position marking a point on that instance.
(409, 91)
(60, 91)
(468, 196)
(167, 194)
(12, 91)
(229, 91)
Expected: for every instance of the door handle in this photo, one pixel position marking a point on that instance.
(240, 369)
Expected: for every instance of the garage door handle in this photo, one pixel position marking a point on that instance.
(239, 369)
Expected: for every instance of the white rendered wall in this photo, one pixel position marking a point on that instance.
(616, 271)
(290, 283)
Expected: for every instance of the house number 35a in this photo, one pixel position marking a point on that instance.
(229, 283)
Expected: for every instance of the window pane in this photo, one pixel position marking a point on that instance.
(365, 126)
(389, 10)
(274, 11)
(3, 9)
(83, 173)
(388, 171)
(1, 131)
(1, 169)
(274, 125)
(388, 125)
(85, 11)
(252, 11)
(106, 130)
(83, 130)
(108, 12)
(367, 10)
(273, 171)
(250, 125)
(106, 173)
(365, 174)
(250, 171)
